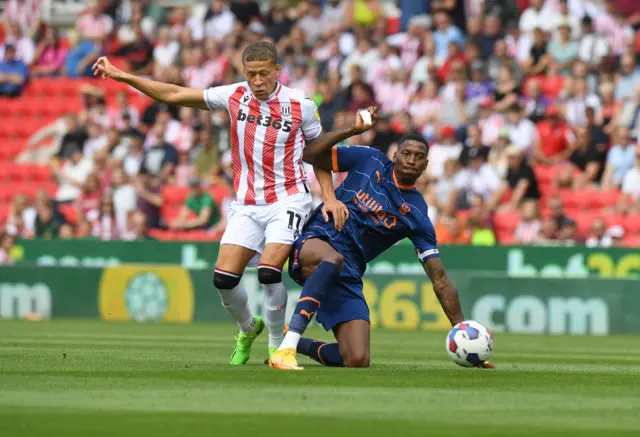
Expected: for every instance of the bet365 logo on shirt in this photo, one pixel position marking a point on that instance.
(268, 121)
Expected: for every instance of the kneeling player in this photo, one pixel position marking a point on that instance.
(384, 208)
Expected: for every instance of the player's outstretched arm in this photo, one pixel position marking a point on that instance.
(164, 92)
(318, 151)
(447, 294)
(445, 290)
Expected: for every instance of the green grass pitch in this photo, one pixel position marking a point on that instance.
(90, 378)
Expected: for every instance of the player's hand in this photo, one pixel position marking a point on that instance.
(339, 212)
(104, 69)
(360, 125)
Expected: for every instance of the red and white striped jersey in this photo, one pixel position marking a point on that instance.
(267, 138)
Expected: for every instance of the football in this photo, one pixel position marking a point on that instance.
(469, 343)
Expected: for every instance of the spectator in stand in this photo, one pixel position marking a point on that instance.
(445, 149)
(161, 158)
(84, 230)
(592, 46)
(13, 74)
(131, 155)
(124, 198)
(631, 179)
(473, 143)
(93, 24)
(445, 34)
(166, 48)
(507, 89)
(557, 212)
(450, 231)
(25, 47)
(219, 21)
(66, 232)
(149, 198)
(529, 227)
(24, 13)
(480, 224)
(598, 236)
(202, 206)
(548, 234)
(48, 221)
(245, 11)
(71, 176)
(564, 50)
(522, 131)
(534, 102)
(50, 55)
(105, 226)
(586, 160)
(555, 138)
(7, 241)
(441, 193)
(88, 202)
(96, 140)
(82, 54)
(620, 159)
(138, 53)
(21, 215)
(536, 15)
(628, 78)
(539, 57)
(520, 179)
(478, 179)
(136, 228)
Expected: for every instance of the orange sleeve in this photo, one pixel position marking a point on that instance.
(334, 159)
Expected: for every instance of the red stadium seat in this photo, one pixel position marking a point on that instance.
(632, 241)
(6, 193)
(506, 238)
(585, 220)
(4, 211)
(614, 219)
(607, 198)
(219, 193)
(174, 195)
(506, 221)
(632, 224)
(69, 211)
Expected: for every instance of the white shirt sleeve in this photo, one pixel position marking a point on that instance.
(311, 126)
(218, 97)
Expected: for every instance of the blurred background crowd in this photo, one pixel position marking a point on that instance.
(531, 107)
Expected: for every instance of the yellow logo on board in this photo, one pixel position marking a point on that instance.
(146, 294)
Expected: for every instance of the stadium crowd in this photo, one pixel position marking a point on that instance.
(531, 107)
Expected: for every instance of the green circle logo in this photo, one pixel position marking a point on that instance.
(146, 297)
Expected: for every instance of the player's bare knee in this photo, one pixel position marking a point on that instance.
(357, 359)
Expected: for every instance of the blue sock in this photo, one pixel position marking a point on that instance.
(324, 353)
(313, 293)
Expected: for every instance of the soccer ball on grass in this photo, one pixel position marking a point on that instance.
(469, 343)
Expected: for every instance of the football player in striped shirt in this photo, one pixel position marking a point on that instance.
(270, 126)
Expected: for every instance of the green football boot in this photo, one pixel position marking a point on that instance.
(242, 350)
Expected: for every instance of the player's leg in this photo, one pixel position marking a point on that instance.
(347, 315)
(241, 240)
(324, 353)
(275, 295)
(283, 222)
(354, 342)
(321, 265)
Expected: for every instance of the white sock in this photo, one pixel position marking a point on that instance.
(275, 309)
(236, 302)
(290, 341)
